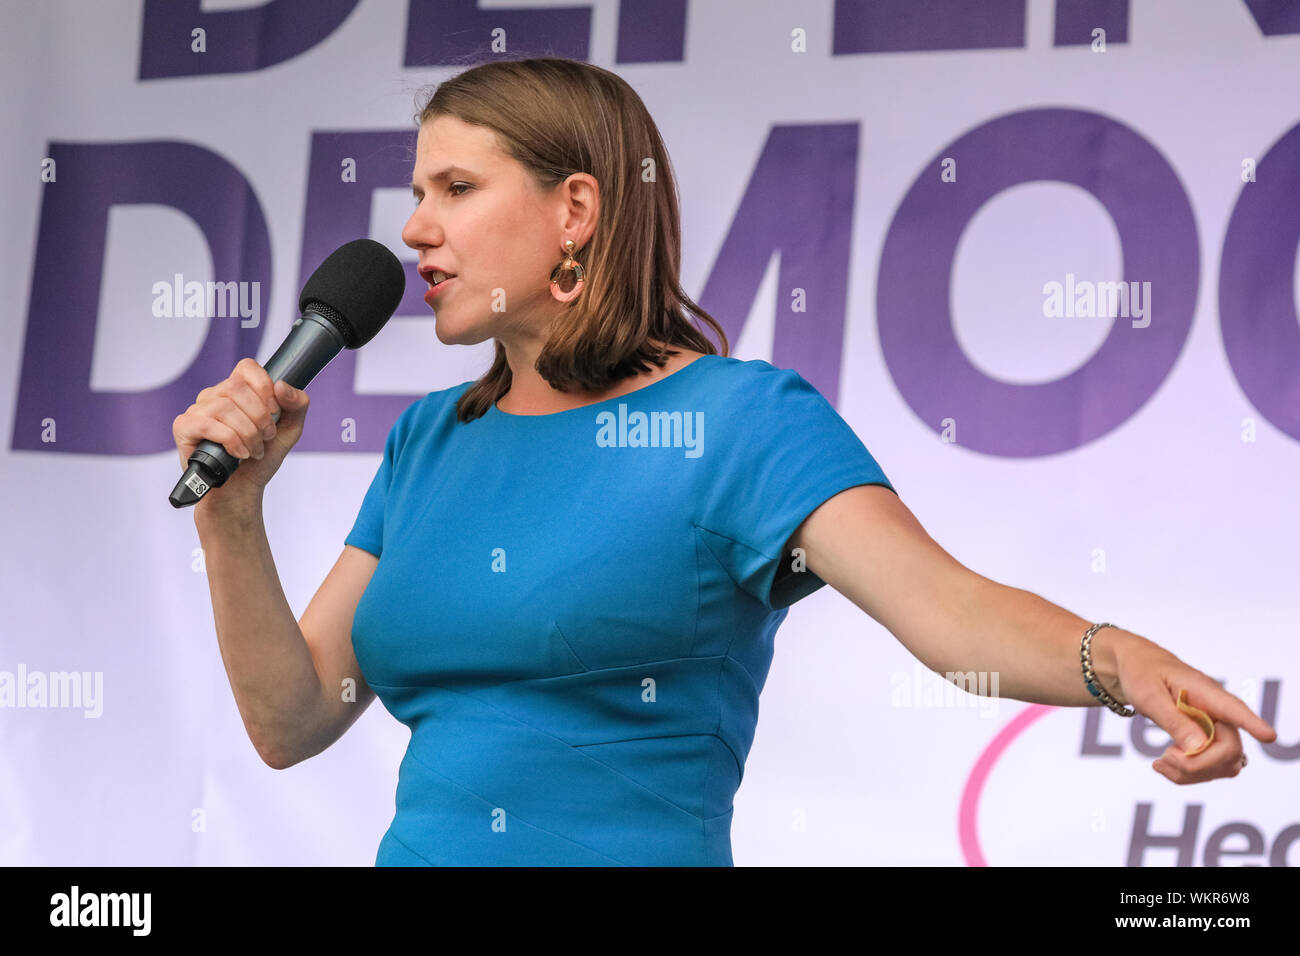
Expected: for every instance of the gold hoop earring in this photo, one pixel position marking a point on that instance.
(578, 274)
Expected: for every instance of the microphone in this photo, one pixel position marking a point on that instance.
(344, 304)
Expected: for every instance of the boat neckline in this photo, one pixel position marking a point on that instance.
(492, 409)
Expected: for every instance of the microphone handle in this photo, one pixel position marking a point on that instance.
(311, 344)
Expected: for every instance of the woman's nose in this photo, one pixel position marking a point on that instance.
(418, 231)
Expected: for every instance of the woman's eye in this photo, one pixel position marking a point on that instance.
(454, 185)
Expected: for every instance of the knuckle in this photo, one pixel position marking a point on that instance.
(255, 404)
(255, 375)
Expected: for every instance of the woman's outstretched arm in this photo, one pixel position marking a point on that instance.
(867, 544)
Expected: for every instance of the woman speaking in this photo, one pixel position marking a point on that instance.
(566, 576)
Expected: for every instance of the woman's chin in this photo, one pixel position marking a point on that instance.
(449, 334)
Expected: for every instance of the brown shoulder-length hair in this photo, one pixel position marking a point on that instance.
(558, 117)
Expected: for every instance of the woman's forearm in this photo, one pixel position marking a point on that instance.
(272, 674)
(1032, 645)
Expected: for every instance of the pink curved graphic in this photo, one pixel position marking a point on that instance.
(970, 797)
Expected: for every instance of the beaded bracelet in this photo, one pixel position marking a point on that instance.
(1090, 676)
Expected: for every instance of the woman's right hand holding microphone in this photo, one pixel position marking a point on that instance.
(237, 414)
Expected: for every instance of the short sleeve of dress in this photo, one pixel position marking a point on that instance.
(782, 451)
(368, 530)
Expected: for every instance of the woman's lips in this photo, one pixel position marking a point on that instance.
(435, 290)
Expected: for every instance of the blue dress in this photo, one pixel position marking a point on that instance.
(574, 613)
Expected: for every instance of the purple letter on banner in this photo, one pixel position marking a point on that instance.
(338, 212)
(458, 33)
(799, 202)
(238, 41)
(651, 31)
(1275, 17)
(1257, 308)
(892, 26)
(1076, 19)
(1157, 234)
(57, 353)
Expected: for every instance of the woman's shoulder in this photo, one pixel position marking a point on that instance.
(433, 412)
(766, 402)
(436, 402)
(752, 380)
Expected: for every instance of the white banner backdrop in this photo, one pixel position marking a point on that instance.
(1154, 489)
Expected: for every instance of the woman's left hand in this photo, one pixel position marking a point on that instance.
(1150, 678)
